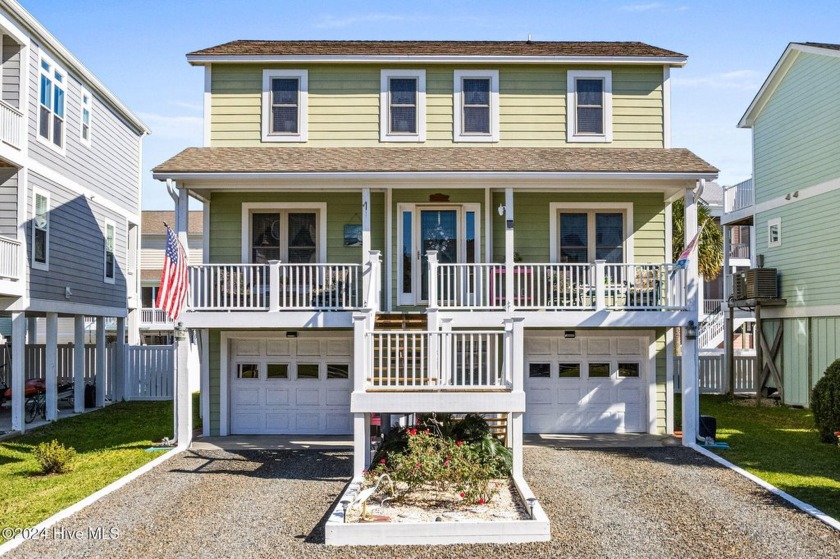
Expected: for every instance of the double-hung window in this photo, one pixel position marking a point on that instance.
(589, 106)
(476, 106)
(293, 235)
(110, 262)
(583, 233)
(85, 116)
(284, 105)
(41, 231)
(402, 102)
(51, 104)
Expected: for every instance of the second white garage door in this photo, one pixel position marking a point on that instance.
(291, 386)
(589, 384)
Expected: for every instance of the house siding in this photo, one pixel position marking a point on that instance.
(76, 249)
(344, 105)
(8, 202)
(796, 135)
(110, 167)
(661, 381)
(10, 92)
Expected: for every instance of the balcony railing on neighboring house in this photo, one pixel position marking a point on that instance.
(9, 262)
(442, 360)
(739, 250)
(273, 287)
(582, 287)
(739, 196)
(154, 318)
(11, 120)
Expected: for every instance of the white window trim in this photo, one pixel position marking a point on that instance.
(105, 277)
(775, 222)
(303, 106)
(82, 93)
(571, 106)
(62, 149)
(458, 106)
(554, 224)
(45, 266)
(319, 207)
(385, 106)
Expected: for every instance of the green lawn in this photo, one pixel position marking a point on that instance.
(781, 446)
(110, 443)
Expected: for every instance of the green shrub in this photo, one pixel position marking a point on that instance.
(54, 457)
(825, 403)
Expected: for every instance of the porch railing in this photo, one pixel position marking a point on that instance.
(557, 286)
(739, 196)
(154, 316)
(274, 286)
(10, 124)
(440, 360)
(739, 250)
(9, 263)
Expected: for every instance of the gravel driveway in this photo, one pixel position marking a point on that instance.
(652, 502)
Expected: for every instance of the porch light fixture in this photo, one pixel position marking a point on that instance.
(569, 334)
(291, 334)
(501, 210)
(691, 331)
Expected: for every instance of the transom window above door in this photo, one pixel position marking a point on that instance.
(402, 101)
(291, 235)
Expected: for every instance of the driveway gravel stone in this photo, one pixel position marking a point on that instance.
(634, 503)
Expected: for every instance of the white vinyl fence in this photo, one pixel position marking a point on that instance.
(149, 370)
(713, 378)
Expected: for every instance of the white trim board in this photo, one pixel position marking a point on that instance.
(801, 312)
(801, 505)
(41, 527)
(797, 196)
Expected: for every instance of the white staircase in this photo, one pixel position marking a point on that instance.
(712, 328)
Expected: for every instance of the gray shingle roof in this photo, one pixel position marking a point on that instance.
(431, 160)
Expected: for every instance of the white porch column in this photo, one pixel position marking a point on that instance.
(19, 328)
(204, 342)
(360, 351)
(600, 280)
(32, 330)
(119, 362)
(361, 443)
(432, 257)
(367, 272)
(273, 285)
(509, 249)
(79, 363)
(100, 361)
(516, 362)
(374, 275)
(183, 397)
(51, 362)
(689, 380)
(133, 326)
(182, 214)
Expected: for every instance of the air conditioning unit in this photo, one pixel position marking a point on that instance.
(755, 283)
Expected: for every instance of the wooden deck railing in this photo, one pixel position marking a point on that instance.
(9, 262)
(10, 124)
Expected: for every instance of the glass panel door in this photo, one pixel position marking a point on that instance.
(438, 231)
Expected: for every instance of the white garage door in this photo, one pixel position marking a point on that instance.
(587, 384)
(291, 386)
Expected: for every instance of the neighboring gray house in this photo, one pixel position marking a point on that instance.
(70, 155)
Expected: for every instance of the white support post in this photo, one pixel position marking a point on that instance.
(724, 307)
(689, 378)
(600, 285)
(100, 361)
(119, 362)
(373, 287)
(79, 363)
(360, 351)
(509, 250)
(517, 355)
(516, 443)
(19, 327)
(51, 362)
(669, 381)
(133, 326)
(432, 256)
(273, 285)
(444, 352)
(361, 443)
(182, 214)
(183, 397)
(367, 271)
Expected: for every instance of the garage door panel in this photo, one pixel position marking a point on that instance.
(538, 346)
(599, 394)
(339, 422)
(309, 347)
(247, 397)
(277, 397)
(539, 396)
(307, 397)
(568, 347)
(308, 422)
(278, 347)
(339, 348)
(338, 396)
(598, 346)
(249, 422)
(277, 422)
(628, 346)
(630, 395)
(568, 396)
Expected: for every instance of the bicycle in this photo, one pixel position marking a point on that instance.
(35, 405)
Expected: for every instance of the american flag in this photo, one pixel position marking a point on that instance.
(173, 282)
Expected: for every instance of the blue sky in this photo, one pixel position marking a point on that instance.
(137, 48)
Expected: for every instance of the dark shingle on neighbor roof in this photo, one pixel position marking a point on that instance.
(152, 222)
(434, 160)
(440, 48)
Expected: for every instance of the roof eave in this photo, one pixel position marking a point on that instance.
(203, 59)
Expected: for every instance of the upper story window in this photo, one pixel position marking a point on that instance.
(85, 116)
(589, 106)
(41, 230)
(110, 262)
(402, 106)
(476, 106)
(51, 104)
(774, 232)
(284, 105)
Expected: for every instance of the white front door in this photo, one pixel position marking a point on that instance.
(588, 384)
(291, 386)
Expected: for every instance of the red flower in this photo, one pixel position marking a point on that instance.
(413, 432)
(419, 465)
(364, 471)
(382, 461)
(481, 501)
(462, 494)
(459, 443)
(446, 463)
